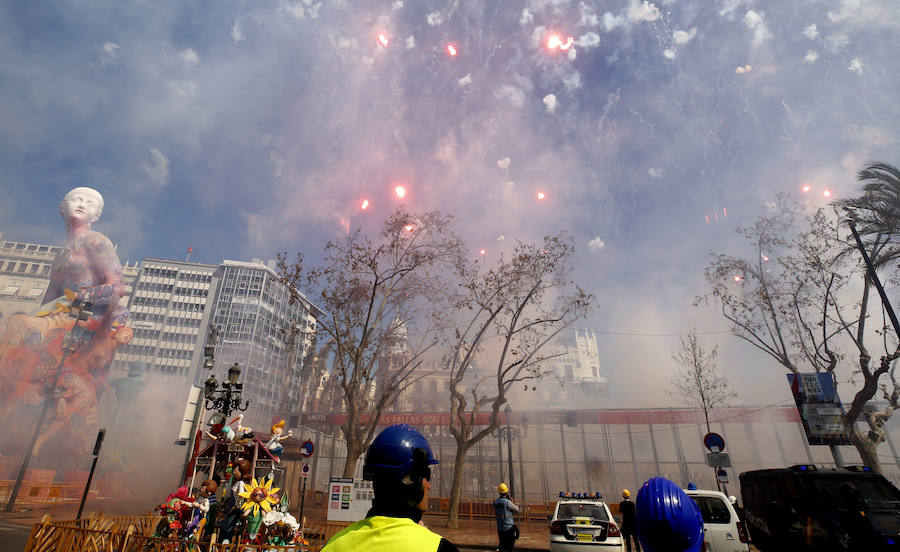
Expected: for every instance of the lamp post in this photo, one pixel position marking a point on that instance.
(74, 338)
(226, 399)
(508, 432)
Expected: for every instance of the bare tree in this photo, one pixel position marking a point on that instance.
(508, 313)
(696, 381)
(804, 302)
(374, 292)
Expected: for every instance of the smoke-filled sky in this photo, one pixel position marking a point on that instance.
(245, 128)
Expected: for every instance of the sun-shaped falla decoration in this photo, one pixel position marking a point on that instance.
(259, 497)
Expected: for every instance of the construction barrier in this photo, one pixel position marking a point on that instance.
(41, 492)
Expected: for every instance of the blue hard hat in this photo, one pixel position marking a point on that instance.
(667, 519)
(392, 453)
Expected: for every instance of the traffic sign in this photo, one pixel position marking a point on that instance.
(718, 460)
(307, 449)
(714, 442)
(722, 475)
(304, 471)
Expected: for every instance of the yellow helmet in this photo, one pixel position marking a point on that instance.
(626, 493)
(502, 488)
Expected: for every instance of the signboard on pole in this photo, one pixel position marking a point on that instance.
(718, 460)
(722, 475)
(820, 408)
(307, 449)
(714, 442)
(190, 410)
(304, 471)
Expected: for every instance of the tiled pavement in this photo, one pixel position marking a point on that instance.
(483, 534)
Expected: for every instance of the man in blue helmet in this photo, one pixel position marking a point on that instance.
(667, 519)
(398, 463)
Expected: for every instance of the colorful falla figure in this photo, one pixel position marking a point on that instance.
(274, 445)
(244, 434)
(259, 497)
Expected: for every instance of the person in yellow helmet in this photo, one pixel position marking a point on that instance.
(629, 527)
(398, 463)
(504, 508)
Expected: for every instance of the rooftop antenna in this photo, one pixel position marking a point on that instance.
(190, 250)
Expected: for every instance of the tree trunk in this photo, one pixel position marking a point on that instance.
(456, 488)
(353, 455)
(868, 450)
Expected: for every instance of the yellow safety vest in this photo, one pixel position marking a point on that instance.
(384, 534)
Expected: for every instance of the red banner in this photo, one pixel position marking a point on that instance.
(579, 417)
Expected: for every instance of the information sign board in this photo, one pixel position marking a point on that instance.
(349, 499)
(718, 459)
(820, 408)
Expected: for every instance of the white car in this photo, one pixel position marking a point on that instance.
(724, 531)
(582, 522)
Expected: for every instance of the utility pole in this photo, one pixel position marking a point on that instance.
(87, 486)
(852, 217)
(209, 361)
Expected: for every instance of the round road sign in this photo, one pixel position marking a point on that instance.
(306, 449)
(714, 442)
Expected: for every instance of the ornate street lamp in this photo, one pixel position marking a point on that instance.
(228, 398)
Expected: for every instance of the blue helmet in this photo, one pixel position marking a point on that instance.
(393, 453)
(667, 519)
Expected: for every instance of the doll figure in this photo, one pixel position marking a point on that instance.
(274, 445)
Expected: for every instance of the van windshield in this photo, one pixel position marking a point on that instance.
(855, 492)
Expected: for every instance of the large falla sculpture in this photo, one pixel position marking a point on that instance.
(32, 345)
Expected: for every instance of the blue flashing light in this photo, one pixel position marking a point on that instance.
(692, 486)
(570, 494)
(891, 541)
(804, 468)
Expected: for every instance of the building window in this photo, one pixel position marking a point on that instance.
(45, 269)
(34, 293)
(10, 266)
(34, 268)
(22, 267)
(9, 291)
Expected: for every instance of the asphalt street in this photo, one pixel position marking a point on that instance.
(13, 537)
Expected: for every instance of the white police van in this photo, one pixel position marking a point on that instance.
(723, 530)
(582, 522)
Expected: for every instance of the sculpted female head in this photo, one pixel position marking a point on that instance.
(81, 204)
